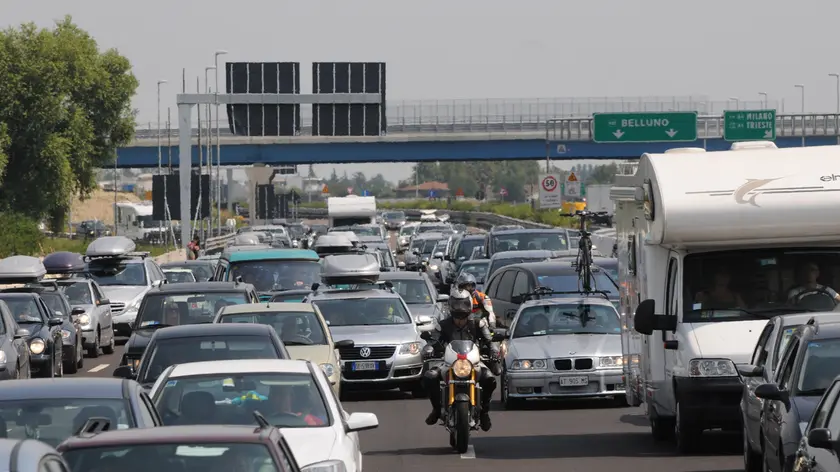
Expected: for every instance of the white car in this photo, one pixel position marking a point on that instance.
(293, 395)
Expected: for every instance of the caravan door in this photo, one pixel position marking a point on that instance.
(673, 298)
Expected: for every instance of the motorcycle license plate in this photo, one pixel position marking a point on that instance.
(573, 381)
(365, 366)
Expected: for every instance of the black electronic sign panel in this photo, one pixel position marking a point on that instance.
(344, 119)
(263, 77)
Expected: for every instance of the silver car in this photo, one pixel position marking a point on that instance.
(387, 350)
(96, 321)
(560, 348)
(418, 292)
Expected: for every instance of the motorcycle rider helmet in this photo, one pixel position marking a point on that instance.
(466, 281)
(460, 304)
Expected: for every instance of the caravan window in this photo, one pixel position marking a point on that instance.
(267, 275)
(759, 283)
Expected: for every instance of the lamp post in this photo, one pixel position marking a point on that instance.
(216, 55)
(763, 96)
(159, 150)
(802, 88)
(737, 102)
(209, 146)
(837, 116)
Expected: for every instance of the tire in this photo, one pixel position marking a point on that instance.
(620, 401)
(109, 349)
(95, 351)
(685, 433)
(507, 402)
(72, 366)
(753, 461)
(462, 427)
(661, 428)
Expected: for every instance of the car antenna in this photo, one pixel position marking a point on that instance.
(261, 420)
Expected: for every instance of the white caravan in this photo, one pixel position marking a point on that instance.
(351, 210)
(134, 221)
(711, 245)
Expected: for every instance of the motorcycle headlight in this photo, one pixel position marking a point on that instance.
(326, 466)
(462, 368)
(528, 364)
(65, 334)
(329, 369)
(712, 368)
(612, 361)
(37, 346)
(84, 319)
(410, 348)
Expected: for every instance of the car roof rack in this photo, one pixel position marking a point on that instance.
(113, 247)
(21, 269)
(346, 269)
(64, 263)
(94, 426)
(542, 291)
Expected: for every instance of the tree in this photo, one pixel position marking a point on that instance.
(65, 107)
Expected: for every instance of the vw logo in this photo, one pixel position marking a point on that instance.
(364, 352)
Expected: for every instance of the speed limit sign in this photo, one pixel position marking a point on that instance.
(550, 193)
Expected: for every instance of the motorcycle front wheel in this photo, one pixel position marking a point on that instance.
(462, 427)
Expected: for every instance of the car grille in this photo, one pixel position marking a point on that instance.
(117, 308)
(581, 363)
(376, 352)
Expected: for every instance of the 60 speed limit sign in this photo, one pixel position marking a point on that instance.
(550, 194)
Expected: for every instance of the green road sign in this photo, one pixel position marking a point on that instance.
(644, 127)
(749, 125)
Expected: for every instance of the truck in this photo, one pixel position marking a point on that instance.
(134, 221)
(351, 210)
(709, 246)
(599, 204)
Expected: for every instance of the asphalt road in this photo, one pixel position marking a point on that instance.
(569, 436)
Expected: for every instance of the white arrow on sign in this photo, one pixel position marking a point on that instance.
(618, 134)
(671, 133)
(768, 134)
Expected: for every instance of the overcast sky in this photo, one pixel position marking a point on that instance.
(447, 49)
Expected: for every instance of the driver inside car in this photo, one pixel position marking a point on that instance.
(808, 275)
(280, 402)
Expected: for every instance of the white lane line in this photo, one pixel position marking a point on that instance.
(470, 454)
(99, 367)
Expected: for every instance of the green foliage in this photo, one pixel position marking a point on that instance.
(64, 109)
(20, 235)
(377, 185)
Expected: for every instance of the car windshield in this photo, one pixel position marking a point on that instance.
(396, 215)
(413, 291)
(408, 230)
(56, 419)
(359, 230)
(573, 318)
(167, 352)
(55, 302)
(285, 297)
(202, 272)
(466, 246)
(268, 275)
(287, 400)
(77, 292)
(386, 259)
(363, 311)
(820, 366)
(433, 228)
(759, 283)
(185, 308)
(571, 283)
(553, 241)
(177, 276)
(476, 269)
(497, 264)
(207, 457)
(429, 245)
(110, 272)
(296, 231)
(23, 308)
(611, 270)
(294, 327)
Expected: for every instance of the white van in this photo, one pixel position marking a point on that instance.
(711, 245)
(134, 221)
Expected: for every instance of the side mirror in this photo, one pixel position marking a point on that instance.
(438, 255)
(749, 370)
(423, 320)
(442, 298)
(447, 258)
(77, 311)
(646, 321)
(820, 438)
(415, 251)
(426, 336)
(22, 333)
(401, 264)
(157, 283)
(361, 422)
(104, 301)
(770, 392)
(344, 343)
(56, 321)
(124, 372)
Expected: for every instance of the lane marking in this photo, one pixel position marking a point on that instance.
(99, 367)
(470, 454)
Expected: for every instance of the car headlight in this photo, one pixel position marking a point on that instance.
(65, 334)
(712, 368)
(410, 348)
(84, 319)
(326, 466)
(462, 368)
(37, 346)
(2, 357)
(612, 361)
(433, 267)
(528, 364)
(329, 369)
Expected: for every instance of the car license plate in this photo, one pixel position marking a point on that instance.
(365, 366)
(573, 381)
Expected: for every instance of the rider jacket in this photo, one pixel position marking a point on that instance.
(482, 304)
(475, 331)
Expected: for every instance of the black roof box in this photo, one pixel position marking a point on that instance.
(64, 263)
(21, 269)
(350, 269)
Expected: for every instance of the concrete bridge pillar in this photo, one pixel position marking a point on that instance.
(230, 185)
(257, 175)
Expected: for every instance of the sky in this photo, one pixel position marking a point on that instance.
(479, 49)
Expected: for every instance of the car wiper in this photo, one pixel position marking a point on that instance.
(296, 343)
(154, 326)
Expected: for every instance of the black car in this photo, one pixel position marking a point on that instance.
(807, 368)
(14, 348)
(202, 269)
(817, 451)
(204, 342)
(52, 410)
(43, 332)
(761, 370)
(289, 296)
(71, 329)
(460, 250)
(181, 304)
(512, 285)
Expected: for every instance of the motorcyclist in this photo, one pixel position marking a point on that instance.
(481, 303)
(461, 327)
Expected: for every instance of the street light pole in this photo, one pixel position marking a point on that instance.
(802, 88)
(763, 96)
(737, 102)
(218, 144)
(159, 150)
(209, 146)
